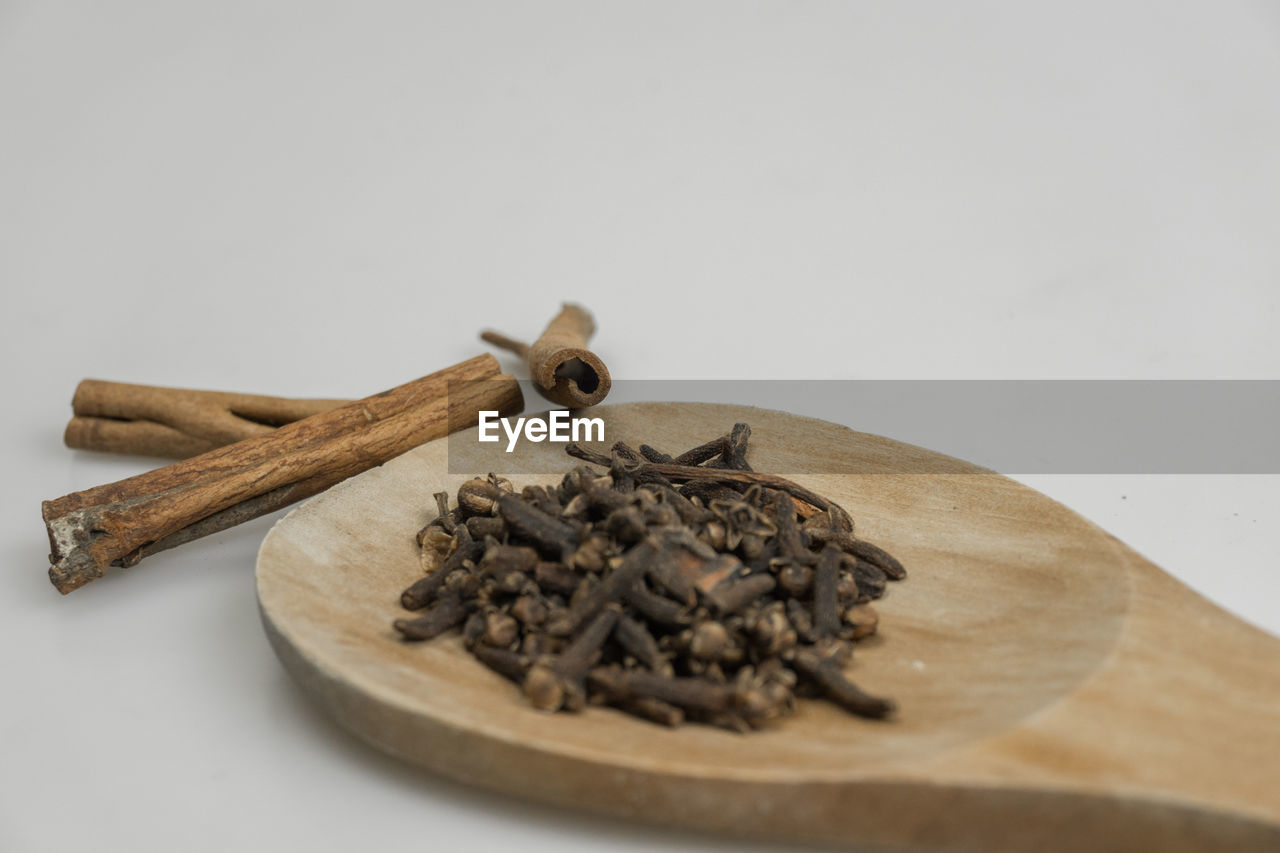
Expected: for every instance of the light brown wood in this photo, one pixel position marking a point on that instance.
(120, 523)
(151, 420)
(1056, 690)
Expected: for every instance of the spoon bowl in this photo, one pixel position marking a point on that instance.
(1055, 689)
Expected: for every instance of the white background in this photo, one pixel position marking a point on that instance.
(301, 199)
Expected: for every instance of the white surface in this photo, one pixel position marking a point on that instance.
(319, 201)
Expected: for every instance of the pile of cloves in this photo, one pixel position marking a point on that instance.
(687, 587)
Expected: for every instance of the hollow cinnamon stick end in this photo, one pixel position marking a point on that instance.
(576, 378)
(563, 368)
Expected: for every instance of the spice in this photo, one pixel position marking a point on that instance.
(121, 523)
(674, 588)
(148, 420)
(563, 369)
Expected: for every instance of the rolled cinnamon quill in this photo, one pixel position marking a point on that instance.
(563, 369)
(148, 420)
(120, 523)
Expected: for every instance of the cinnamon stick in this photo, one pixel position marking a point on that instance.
(563, 369)
(120, 523)
(150, 420)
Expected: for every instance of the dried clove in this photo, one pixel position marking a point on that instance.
(826, 609)
(424, 590)
(553, 536)
(731, 596)
(829, 678)
(447, 612)
(674, 588)
(505, 662)
(638, 642)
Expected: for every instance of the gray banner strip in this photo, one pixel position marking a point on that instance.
(1021, 426)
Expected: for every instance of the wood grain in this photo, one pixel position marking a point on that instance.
(1057, 691)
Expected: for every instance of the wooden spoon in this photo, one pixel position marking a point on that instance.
(1056, 690)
